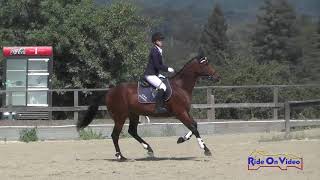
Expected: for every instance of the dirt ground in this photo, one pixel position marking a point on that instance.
(75, 160)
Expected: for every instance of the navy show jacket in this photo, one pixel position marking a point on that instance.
(155, 64)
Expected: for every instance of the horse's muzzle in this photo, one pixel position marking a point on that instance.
(214, 79)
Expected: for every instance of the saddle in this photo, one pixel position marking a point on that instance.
(147, 93)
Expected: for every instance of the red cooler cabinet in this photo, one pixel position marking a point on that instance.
(27, 72)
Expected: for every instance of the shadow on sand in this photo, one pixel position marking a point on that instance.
(146, 159)
(165, 159)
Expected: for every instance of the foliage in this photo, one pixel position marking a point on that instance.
(105, 43)
(28, 135)
(273, 39)
(245, 70)
(93, 45)
(90, 134)
(300, 94)
(309, 40)
(214, 39)
(181, 28)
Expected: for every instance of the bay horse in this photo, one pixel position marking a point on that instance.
(122, 103)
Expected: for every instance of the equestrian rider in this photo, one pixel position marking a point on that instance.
(155, 65)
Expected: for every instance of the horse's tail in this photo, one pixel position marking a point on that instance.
(90, 113)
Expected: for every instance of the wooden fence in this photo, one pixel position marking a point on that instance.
(294, 104)
(210, 105)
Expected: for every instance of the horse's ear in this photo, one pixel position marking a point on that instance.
(200, 55)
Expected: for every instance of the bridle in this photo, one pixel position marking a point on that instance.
(209, 77)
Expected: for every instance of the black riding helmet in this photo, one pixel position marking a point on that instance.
(157, 37)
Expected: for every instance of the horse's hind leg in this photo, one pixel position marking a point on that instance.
(118, 124)
(188, 121)
(185, 137)
(133, 131)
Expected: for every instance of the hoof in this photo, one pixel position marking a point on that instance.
(150, 154)
(207, 152)
(120, 157)
(180, 140)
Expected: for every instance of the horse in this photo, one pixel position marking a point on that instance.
(122, 103)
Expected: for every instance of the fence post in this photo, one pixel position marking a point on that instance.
(275, 101)
(287, 116)
(10, 105)
(211, 112)
(50, 104)
(209, 91)
(210, 100)
(75, 104)
(10, 100)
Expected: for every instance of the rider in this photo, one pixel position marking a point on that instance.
(155, 65)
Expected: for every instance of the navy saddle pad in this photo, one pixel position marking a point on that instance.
(147, 93)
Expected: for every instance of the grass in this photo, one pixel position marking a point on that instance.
(297, 135)
(90, 134)
(283, 137)
(28, 135)
(168, 131)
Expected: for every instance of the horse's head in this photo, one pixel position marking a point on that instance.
(203, 68)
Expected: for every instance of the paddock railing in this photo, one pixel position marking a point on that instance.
(297, 104)
(210, 106)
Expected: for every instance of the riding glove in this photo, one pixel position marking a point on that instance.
(170, 69)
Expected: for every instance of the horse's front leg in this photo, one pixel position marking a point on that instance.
(188, 121)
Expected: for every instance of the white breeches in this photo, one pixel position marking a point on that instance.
(156, 82)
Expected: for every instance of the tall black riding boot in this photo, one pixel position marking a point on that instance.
(160, 102)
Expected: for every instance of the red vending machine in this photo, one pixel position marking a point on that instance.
(27, 73)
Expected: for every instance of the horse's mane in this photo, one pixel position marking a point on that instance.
(186, 64)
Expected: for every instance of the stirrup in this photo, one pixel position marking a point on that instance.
(161, 110)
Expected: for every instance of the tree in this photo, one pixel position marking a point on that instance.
(243, 69)
(318, 31)
(310, 41)
(214, 41)
(274, 37)
(93, 45)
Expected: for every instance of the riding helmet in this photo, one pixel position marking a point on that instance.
(157, 37)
